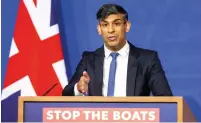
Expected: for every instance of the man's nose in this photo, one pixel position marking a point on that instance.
(111, 29)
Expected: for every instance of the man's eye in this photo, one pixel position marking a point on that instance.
(117, 24)
(104, 25)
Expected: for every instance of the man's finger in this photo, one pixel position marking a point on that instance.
(85, 74)
(83, 89)
(84, 80)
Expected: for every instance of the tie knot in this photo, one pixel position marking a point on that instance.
(114, 55)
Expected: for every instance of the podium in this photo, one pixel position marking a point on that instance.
(103, 109)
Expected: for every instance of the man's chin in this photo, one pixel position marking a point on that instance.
(113, 44)
(113, 47)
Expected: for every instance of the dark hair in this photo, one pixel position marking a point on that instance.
(108, 9)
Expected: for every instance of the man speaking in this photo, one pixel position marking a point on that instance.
(118, 68)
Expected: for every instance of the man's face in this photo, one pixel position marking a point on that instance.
(113, 30)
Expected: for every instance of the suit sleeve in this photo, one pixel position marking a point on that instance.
(69, 89)
(157, 80)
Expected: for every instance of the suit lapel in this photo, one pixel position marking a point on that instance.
(99, 59)
(132, 71)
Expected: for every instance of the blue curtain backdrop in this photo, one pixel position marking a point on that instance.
(171, 27)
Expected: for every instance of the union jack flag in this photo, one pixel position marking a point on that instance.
(36, 63)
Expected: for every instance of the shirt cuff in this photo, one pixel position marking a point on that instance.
(76, 92)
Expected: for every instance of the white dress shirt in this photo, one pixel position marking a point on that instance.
(121, 72)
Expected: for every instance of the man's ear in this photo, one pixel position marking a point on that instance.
(99, 29)
(128, 26)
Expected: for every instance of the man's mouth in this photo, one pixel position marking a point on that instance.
(112, 38)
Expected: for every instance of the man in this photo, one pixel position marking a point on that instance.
(118, 68)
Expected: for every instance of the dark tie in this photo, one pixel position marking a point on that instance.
(111, 81)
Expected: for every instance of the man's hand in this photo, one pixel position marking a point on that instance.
(82, 85)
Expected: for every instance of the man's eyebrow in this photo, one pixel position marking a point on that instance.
(104, 21)
(117, 20)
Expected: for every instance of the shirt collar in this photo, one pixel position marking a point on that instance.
(122, 52)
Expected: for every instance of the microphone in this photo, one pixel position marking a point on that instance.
(50, 89)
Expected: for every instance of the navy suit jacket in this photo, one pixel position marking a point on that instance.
(144, 74)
